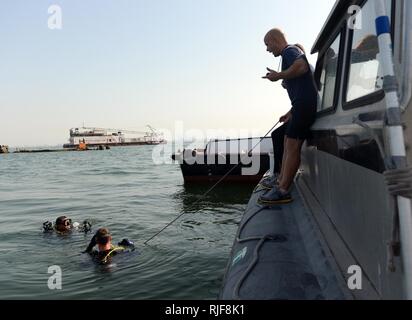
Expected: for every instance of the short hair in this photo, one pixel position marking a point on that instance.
(103, 236)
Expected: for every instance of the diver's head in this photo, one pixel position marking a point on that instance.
(63, 224)
(103, 239)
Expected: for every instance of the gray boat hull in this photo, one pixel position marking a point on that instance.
(277, 255)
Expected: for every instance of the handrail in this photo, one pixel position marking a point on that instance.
(395, 135)
(230, 140)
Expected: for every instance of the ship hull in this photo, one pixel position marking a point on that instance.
(207, 172)
(93, 145)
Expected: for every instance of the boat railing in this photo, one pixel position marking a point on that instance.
(229, 148)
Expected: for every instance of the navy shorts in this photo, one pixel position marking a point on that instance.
(301, 122)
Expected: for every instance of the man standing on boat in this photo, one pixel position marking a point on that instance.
(298, 81)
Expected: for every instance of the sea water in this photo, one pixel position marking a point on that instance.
(123, 190)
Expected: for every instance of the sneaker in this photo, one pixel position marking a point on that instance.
(270, 182)
(274, 197)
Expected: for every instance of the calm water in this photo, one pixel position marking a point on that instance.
(120, 189)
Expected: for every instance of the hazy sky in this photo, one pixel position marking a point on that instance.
(125, 64)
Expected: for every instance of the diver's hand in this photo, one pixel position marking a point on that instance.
(86, 227)
(272, 75)
(47, 226)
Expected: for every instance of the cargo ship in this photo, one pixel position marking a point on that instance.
(96, 137)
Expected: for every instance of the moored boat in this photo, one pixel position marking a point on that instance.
(228, 159)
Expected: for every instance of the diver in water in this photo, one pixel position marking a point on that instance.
(64, 225)
(105, 249)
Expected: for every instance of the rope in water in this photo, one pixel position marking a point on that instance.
(214, 186)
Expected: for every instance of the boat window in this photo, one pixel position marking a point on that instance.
(365, 73)
(328, 76)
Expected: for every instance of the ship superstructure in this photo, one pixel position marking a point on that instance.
(95, 137)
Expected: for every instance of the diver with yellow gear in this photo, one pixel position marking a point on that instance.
(105, 249)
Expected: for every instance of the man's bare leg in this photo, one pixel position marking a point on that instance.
(291, 164)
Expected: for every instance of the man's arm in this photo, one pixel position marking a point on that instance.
(91, 245)
(297, 69)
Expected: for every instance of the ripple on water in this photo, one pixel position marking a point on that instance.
(120, 189)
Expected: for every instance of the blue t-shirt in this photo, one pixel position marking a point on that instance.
(302, 91)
